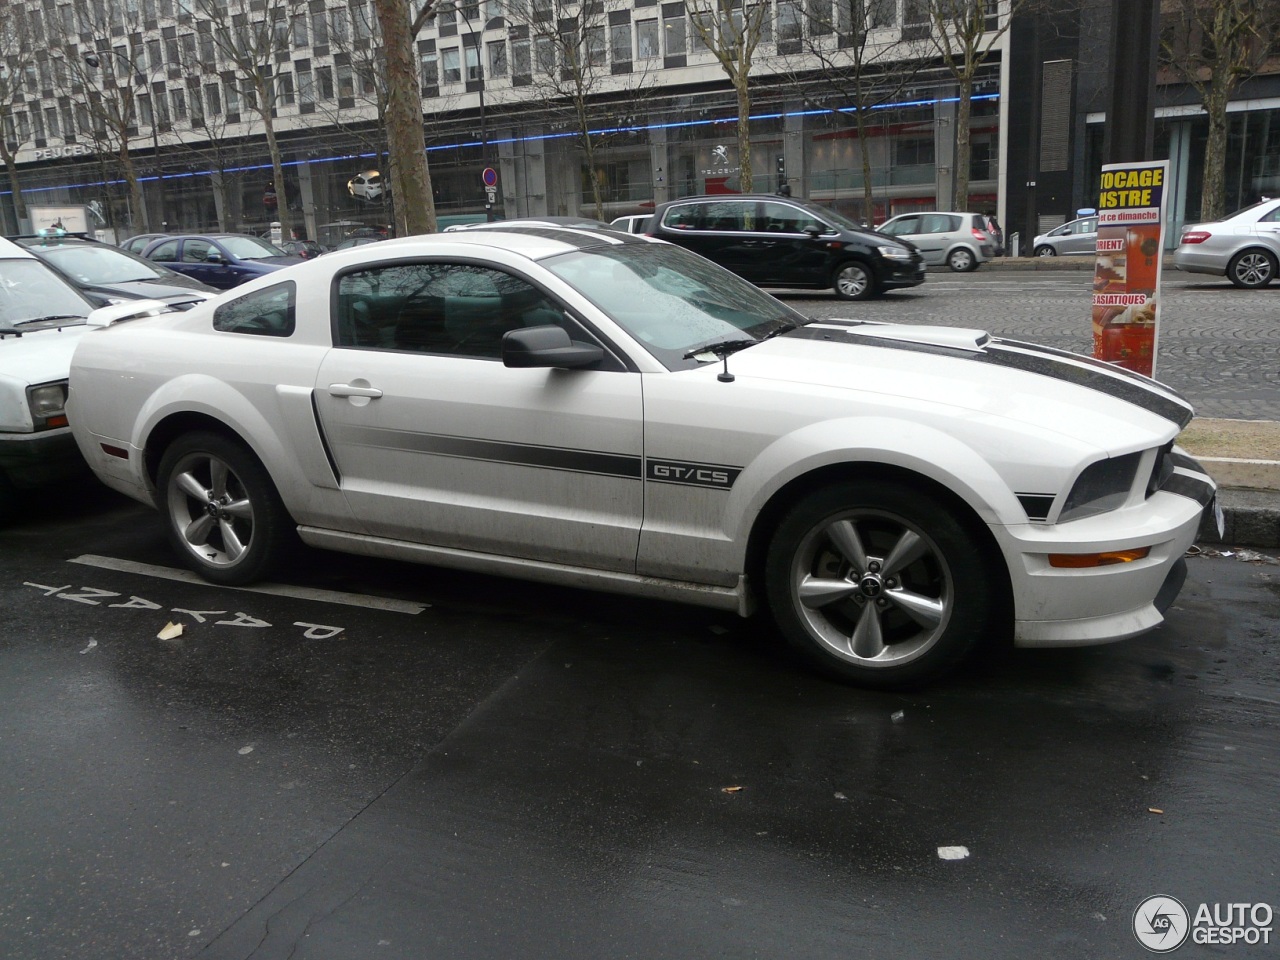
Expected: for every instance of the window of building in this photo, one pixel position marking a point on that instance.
(339, 25)
(208, 52)
(790, 25)
(24, 127)
(452, 65)
(324, 82)
(145, 116)
(51, 122)
(284, 89)
(430, 67)
(472, 57)
(319, 28)
(306, 87)
(298, 31)
(675, 29)
(620, 42)
(188, 54)
(362, 17)
(648, 39)
(37, 124)
(521, 59)
(821, 18)
(193, 97)
(155, 54)
(346, 81)
(178, 104)
(231, 95)
(596, 51)
(212, 100)
(498, 58)
(544, 51)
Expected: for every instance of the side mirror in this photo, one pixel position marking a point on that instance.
(813, 231)
(547, 346)
(213, 256)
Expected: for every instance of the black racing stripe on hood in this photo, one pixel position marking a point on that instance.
(1097, 375)
(1105, 378)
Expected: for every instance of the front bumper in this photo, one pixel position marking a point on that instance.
(1063, 607)
(31, 460)
(903, 274)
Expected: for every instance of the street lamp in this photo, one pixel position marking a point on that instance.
(477, 44)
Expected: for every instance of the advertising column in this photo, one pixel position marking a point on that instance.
(1126, 279)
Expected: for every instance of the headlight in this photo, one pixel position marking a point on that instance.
(1101, 486)
(47, 403)
(895, 253)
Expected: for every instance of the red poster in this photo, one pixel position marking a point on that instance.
(1126, 280)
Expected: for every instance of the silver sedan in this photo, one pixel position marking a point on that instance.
(1244, 247)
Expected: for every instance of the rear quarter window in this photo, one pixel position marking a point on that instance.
(264, 313)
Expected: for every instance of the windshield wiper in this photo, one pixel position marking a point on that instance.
(51, 318)
(786, 326)
(721, 348)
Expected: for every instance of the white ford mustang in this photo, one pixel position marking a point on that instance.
(600, 410)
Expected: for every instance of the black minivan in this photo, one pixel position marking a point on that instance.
(781, 242)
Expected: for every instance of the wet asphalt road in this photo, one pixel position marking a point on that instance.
(528, 772)
(503, 769)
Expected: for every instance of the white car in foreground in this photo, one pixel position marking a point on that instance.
(600, 410)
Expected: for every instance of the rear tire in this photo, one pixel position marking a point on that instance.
(879, 584)
(1252, 269)
(221, 511)
(854, 281)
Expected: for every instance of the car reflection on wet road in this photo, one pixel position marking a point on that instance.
(492, 768)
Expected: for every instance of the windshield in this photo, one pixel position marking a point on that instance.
(30, 291)
(94, 264)
(671, 300)
(250, 248)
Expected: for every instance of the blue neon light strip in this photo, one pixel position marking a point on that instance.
(674, 125)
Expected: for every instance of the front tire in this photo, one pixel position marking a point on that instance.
(962, 260)
(1044, 250)
(1252, 269)
(878, 584)
(854, 281)
(221, 511)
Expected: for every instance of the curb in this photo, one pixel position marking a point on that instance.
(1251, 519)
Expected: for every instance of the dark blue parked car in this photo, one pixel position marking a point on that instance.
(222, 260)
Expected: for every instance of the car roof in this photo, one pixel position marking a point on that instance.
(11, 251)
(532, 242)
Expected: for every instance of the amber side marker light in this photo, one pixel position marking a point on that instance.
(1097, 559)
(57, 420)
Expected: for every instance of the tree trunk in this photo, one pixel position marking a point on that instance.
(277, 169)
(415, 208)
(746, 180)
(1213, 199)
(19, 204)
(138, 216)
(964, 109)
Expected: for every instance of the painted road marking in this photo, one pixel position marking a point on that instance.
(272, 589)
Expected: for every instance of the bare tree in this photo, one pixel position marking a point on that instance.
(854, 51)
(17, 63)
(1214, 46)
(581, 68)
(400, 23)
(251, 36)
(732, 32)
(103, 76)
(962, 33)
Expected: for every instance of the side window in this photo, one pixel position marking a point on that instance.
(455, 309)
(784, 218)
(902, 226)
(266, 313)
(730, 215)
(686, 216)
(938, 223)
(167, 252)
(1089, 226)
(196, 251)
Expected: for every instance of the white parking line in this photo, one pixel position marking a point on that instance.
(274, 589)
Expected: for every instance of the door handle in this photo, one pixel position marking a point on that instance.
(351, 390)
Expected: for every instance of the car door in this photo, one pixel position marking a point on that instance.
(195, 263)
(907, 227)
(935, 236)
(790, 254)
(1083, 237)
(436, 441)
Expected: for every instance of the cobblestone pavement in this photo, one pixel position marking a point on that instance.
(1218, 345)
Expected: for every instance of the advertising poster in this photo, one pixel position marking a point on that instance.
(1126, 279)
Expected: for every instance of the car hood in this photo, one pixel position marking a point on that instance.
(38, 356)
(1045, 390)
(273, 263)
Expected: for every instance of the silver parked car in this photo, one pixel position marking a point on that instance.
(1073, 237)
(959, 240)
(1244, 247)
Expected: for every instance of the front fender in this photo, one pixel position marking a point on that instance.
(910, 446)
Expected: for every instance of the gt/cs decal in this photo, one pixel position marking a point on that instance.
(691, 474)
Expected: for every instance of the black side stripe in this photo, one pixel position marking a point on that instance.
(1036, 505)
(324, 441)
(467, 448)
(1201, 491)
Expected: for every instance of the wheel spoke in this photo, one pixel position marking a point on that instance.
(192, 487)
(816, 592)
(925, 611)
(909, 548)
(218, 473)
(197, 532)
(844, 535)
(240, 509)
(230, 542)
(867, 641)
